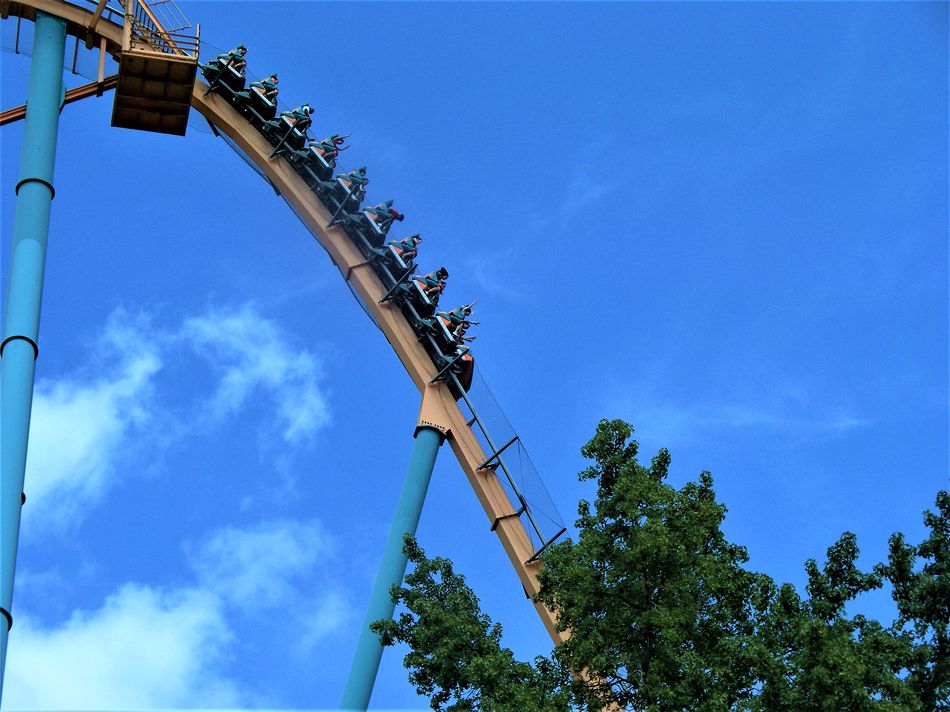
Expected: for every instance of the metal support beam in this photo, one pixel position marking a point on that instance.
(101, 74)
(83, 92)
(94, 20)
(545, 545)
(497, 453)
(396, 282)
(335, 217)
(369, 651)
(18, 350)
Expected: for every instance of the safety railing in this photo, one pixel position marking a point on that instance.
(168, 15)
(176, 43)
(508, 460)
(145, 31)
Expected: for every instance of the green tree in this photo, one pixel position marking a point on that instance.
(661, 611)
(664, 616)
(456, 657)
(822, 659)
(920, 576)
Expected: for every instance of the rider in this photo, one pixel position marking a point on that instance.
(299, 118)
(329, 147)
(234, 59)
(434, 284)
(405, 248)
(355, 183)
(267, 88)
(383, 215)
(459, 320)
(459, 332)
(355, 179)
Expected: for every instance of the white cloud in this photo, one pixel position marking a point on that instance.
(144, 648)
(257, 566)
(281, 564)
(783, 423)
(87, 426)
(585, 189)
(148, 647)
(79, 426)
(253, 355)
(330, 613)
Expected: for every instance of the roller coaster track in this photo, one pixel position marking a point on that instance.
(439, 407)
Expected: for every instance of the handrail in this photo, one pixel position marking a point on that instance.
(170, 43)
(142, 23)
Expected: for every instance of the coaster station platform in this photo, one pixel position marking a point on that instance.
(158, 65)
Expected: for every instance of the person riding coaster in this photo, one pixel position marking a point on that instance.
(260, 99)
(459, 332)
(227, 69)
(346, 191)
(288, 132)
(450, 327)
(235, 59)
(374, 223)
(315, 161)
(328, 148)
(422, 293)
(400, 253)
(433, 284)
(451, 352)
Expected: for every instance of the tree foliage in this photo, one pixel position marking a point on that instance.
(456, 657)
(665, 617)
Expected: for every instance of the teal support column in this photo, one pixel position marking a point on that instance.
(369, 651)
(18, 350)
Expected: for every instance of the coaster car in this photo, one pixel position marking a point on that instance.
(463, 366)
(416, 302)
(441, 328)
(398, 255)
(450, 354)
(449, 327)
(345, 192)
(448, 335)
(372, 224)
(316, 161)
(222, 73)
(258, 103)
(288, 132)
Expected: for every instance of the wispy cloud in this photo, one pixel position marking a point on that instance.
(80, 425)
(782, 423)
(331, 613)
(96, 659)
(774, 411)
(143, 648)
(587, 187)
(491, 273)
(91, 426)
(591, 179)
(253, 355)
(284, 564)
(257, 566)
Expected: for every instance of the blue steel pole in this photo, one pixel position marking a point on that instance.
(18, 350)
(369, 650)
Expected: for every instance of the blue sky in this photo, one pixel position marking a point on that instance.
(725, 223)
